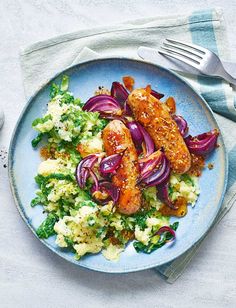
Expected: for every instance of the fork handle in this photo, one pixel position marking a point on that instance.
(224, 74)
(230, 67)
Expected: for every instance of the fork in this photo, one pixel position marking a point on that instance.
(202, 59)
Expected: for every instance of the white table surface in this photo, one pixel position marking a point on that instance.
(30, 274)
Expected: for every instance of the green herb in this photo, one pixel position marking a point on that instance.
(60, 176)
(187, 178)
(54, 90)
(64, 117)
(175, 226)
(140, 247)
(40, 179)
(101, 231)
(170, 190)
(88, 203)
(46, 228)
(64, 207)
(41, 120)
(69, 242)
(64, 83)
(164, 238)
(141, 217)
(75, 141)
(77, 102)
(35, 201)
(40, 199)
(67, 98)
(36, 140)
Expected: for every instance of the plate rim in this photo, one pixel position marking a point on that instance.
(13, 187)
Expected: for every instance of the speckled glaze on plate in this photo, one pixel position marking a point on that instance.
(84, 79)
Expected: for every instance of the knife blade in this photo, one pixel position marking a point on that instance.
(152, 55)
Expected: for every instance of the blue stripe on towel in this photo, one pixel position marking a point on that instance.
(216, 98)
(207, 40)
(232, 167)
(211, 88)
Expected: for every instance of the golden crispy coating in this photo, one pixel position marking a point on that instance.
(117, 139)
(155, 117)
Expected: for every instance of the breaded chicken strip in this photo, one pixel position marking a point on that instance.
(117, 139)
(156, 119)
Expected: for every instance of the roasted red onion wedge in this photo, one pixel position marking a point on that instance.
(136, 135)
(148, 144)
(158, 175)
(127, 110)
(163, 194)
(141, 138)
(148, 164)
(83, 168)
(103, 103)
(181, 123)
(106, 192)
(202, 144)
(110, 163)
(95, 179)
(156, 94)
(110, 116)
(167, 229)
(119, 92)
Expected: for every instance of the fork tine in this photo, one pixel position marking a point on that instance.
(180, 58)
(196, 47)
(175, 52)
(181, 53)
(184, 49)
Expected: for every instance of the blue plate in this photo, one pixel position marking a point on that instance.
(84, 79)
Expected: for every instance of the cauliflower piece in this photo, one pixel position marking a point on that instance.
(64, 134)
(93, 247)
(184, 186)
(90, 146)
(80, 231)
(61, 188)
(61, 227)
(48, 166)
(60, 241)
(160, 222)
(107, 209)
(112, 252)
(56, 110)
(44, 127)
(117, 224)
(173, 180)
(150, 196)
(51, 207)
(189, 192)
(142, 236)
(192, 198)
(83, 212)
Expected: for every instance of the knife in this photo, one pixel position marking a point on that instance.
(152, 55)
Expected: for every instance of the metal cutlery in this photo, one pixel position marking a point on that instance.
(196, 59)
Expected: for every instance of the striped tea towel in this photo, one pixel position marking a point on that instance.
(206, 28)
